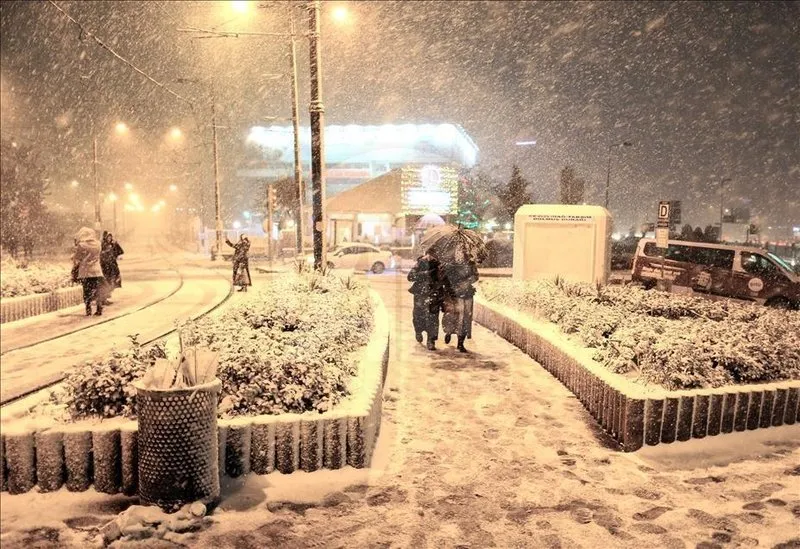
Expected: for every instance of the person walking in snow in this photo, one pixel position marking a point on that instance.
(241, 262)
(110, 250)
(86, 268)
(427, 291)
(458, 279)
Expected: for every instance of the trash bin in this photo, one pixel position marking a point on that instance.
(178, 448)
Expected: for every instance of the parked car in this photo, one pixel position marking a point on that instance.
(360, 257)
(733, 271)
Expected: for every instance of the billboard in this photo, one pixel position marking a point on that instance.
(429, 189)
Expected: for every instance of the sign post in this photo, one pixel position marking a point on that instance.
(662, 235)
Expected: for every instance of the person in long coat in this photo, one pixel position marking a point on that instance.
(86, 268)
(458, 279)
(110, 250)
(241, 262)
(427, 290)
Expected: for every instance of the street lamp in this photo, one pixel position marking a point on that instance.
(175, 134)
(340, 14)
(608, 171)
(121, 128)
(173, 188)
(317, 115)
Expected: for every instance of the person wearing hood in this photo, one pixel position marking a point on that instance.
(86, 268)
(110, 250)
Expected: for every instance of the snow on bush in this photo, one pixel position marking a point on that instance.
(291, 348)
(287, 347)
(679, 342)
(102, 387)
(18, 279)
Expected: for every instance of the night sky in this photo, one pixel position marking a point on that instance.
(702, 90)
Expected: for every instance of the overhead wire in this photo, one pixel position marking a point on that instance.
(108, 48)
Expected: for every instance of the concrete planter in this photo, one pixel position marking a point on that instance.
(17, 308)
(635, 415)
(107, 455)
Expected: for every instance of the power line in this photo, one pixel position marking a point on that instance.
(118, 56)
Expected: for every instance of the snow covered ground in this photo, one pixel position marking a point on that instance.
(480, 450)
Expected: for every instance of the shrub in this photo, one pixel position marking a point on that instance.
(287, 348)
(103, 387)
(18, 279)
(290, 349)
(679, 342)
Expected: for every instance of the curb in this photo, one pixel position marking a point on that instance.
(635, 416)
(17, 308)
(107, 456)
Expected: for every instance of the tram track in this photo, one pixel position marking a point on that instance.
(52, 381)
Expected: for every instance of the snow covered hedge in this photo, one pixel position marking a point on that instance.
(287, 347)
(679, 342)
(18, 279)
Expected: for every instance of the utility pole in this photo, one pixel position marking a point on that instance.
(298, 171)
(218, 222)
(97, 220)
(317, 112)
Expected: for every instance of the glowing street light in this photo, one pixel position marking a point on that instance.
(129, 187)
(74, 183)
(240, 6)
(236, 224)
(175, 134)
(121, 128)
(340, 14)
(173, 188)
(112, 197)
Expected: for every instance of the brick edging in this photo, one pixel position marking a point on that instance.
(17, 308)
(634, 418)
(108, 457)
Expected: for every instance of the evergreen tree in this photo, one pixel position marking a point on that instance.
(474, 190)
(687, 233)
(572, 187)
(514, 195)
(22, 192)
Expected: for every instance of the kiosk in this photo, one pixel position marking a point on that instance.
(573, 242)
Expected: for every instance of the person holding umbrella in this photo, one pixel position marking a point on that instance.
(458, 279)
(427, 290)
(459, 251)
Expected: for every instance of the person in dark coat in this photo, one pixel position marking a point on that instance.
(241, 262)
(86, 268)
(458, 279)
(110, 250)
(427, 290)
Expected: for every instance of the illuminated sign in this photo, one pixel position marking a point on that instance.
(429, 189)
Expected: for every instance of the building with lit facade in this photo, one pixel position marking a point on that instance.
(380, 180)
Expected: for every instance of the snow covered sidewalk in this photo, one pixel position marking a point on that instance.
(484, 450)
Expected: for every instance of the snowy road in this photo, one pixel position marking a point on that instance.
(161, 286)
(481, 450)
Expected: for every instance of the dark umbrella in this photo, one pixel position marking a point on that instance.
(444, 240)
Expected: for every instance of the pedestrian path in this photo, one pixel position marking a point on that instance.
(489, 450)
